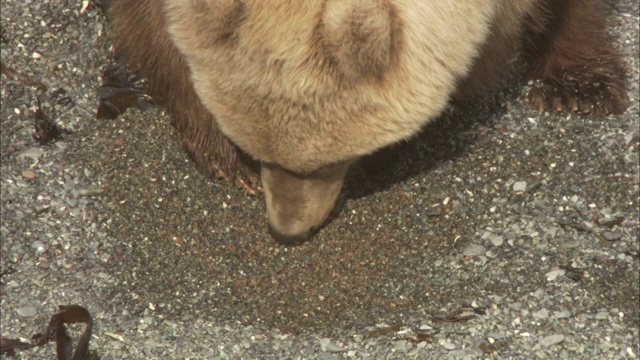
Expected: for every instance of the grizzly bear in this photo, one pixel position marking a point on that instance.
(291, 93)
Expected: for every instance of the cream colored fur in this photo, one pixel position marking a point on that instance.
(306, 84)
(285, 81)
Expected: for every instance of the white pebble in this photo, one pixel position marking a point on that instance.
(449, 346)
(520, 186)
(27, 311)
(552, 340)
(564, 314)
(323, 343)
(496, 240)
(554, 274)
(542, 314)
(602, 315)
(34, 153)
(474, 250)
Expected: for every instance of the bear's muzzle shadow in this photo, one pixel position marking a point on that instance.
(440, 141)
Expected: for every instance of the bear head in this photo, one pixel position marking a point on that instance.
(308, 87)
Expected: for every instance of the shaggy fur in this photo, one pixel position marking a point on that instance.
(573, 58)
(307, 87)
(302, 99)
(141, 37)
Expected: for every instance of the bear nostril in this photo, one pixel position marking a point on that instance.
(290, 240)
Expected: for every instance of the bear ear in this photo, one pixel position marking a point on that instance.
(207, 22)
(361, 37)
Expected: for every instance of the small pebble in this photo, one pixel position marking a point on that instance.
(34, 153)
(538, 294)
(432, 212)
(324, 342)
(449, 345)
(90, 191)
(334, 348)
(26, 311)
(520, 186)
(326, 356)
(496, 240)
(611, 235)
(623, 8)
(542, 314)
(474, 250)
(496, 335)
(552, 340)
(564, 314)
(28, 174)
(39, 247)
(327, 345)
(603, 315)
(569, 244)
(554, 274)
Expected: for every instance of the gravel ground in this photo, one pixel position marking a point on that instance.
(500, 233)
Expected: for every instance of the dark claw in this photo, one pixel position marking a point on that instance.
(586, 107)
(536, 99)
(573, 105)
(557, 104)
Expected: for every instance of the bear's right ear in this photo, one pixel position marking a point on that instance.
(361, 37)
(205, 23)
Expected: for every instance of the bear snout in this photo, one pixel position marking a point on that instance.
(292, 239)
(299, 204)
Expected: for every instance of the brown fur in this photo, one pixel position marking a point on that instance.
(308, 87)
(575, 62)
(279, 99)
(499, 50)
(141, 36)
(359, 41)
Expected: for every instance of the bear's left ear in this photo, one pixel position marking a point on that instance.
(205, 23)
(361, 37)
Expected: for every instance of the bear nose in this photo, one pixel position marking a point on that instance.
(292, 239)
